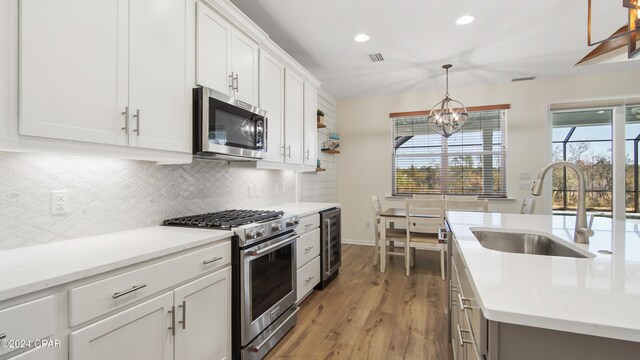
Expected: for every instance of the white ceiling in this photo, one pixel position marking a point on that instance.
(509, 39)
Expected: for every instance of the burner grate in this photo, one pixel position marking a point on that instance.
(225, 219)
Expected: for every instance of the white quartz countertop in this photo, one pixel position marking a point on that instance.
(597, 296)
(33, 268)
(303, 208)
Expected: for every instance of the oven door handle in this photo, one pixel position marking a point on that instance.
(273, 246)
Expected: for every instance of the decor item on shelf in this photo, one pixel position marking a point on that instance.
(320, 117)
(333, 143)
(626, 35)
(444, 118)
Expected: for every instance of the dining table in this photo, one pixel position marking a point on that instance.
(388, 218)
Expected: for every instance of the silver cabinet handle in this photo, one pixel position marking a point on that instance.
(328, 222)
(283, 152)
(237, 88)
(462, 339)
(126, 120)
(461, 301)
(307, 280)
(184, 314)
(173, 320)
(308, 248)
(137, 116)
(307, 156)
(231, 81)
(205, 262)
(289, 149)
(257, 348)
(128, 291)
(2, 336)
(306, 226)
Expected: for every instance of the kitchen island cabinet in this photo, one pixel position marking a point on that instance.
(520, 306)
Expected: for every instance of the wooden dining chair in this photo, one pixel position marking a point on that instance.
(467, 205)
(423, 221)
(392, 235)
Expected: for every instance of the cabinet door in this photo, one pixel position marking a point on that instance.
(158, 89)
(204, 318)
(43, 353)
(139, 333)
(293, 117)
(272, 100)
(244, 65)
(213, 50)
(310, 127)
(73, 69)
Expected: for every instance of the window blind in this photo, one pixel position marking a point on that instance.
(470, 162)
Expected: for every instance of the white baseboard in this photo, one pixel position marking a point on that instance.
(358, 242)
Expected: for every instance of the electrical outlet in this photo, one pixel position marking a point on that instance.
(59, 202)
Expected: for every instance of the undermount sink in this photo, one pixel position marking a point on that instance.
(524, 243)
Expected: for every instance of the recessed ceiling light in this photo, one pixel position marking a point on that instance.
(464, 20)
(361, 38)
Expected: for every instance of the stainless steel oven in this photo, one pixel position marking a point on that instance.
(227, 128)
(267, 293)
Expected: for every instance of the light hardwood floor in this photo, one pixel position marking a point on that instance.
(365, 314)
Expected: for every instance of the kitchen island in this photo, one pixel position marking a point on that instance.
(587, 304)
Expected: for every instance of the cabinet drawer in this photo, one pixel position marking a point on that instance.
(92, 300)
(308, 277)
(307, 247)
(308, 223)
(29, 321)
(44, 353)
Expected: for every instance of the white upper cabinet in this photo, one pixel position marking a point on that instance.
(227, 59)
(213, 55)
(244, 67)
(107, 72)
(159, 95)
(310, 127)
(73, 69)
(272, 100)
(293, 117)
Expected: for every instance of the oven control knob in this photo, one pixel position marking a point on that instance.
(260, 233)
(251, 235)
(276, 227)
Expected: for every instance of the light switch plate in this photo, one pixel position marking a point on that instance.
(525, 186)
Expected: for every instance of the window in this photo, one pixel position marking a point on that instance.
(584, 138)
(470, 162)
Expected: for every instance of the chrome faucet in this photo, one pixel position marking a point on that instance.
(583, 231)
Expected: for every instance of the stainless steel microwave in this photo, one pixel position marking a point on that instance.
(227, 128)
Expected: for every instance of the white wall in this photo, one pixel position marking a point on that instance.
(321, 186)
(365, 132)
(108, 195)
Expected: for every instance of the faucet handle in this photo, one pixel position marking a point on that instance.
(585, 231)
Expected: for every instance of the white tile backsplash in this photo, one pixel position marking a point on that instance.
(108, 195)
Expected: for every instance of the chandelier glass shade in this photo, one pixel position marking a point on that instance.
(448, 116)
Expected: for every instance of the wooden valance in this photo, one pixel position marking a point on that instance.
(469, 109)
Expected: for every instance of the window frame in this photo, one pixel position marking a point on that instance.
(444, 157)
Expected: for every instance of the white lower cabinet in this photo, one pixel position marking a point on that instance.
(204, 318)
(307, 256)
(29, 321)
(193, 320)
(142, 332)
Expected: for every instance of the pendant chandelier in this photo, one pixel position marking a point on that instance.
(448, 116)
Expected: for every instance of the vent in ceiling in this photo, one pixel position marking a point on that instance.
(523, 79)
(377, 57)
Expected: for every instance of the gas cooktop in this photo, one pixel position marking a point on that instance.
(225, 219)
